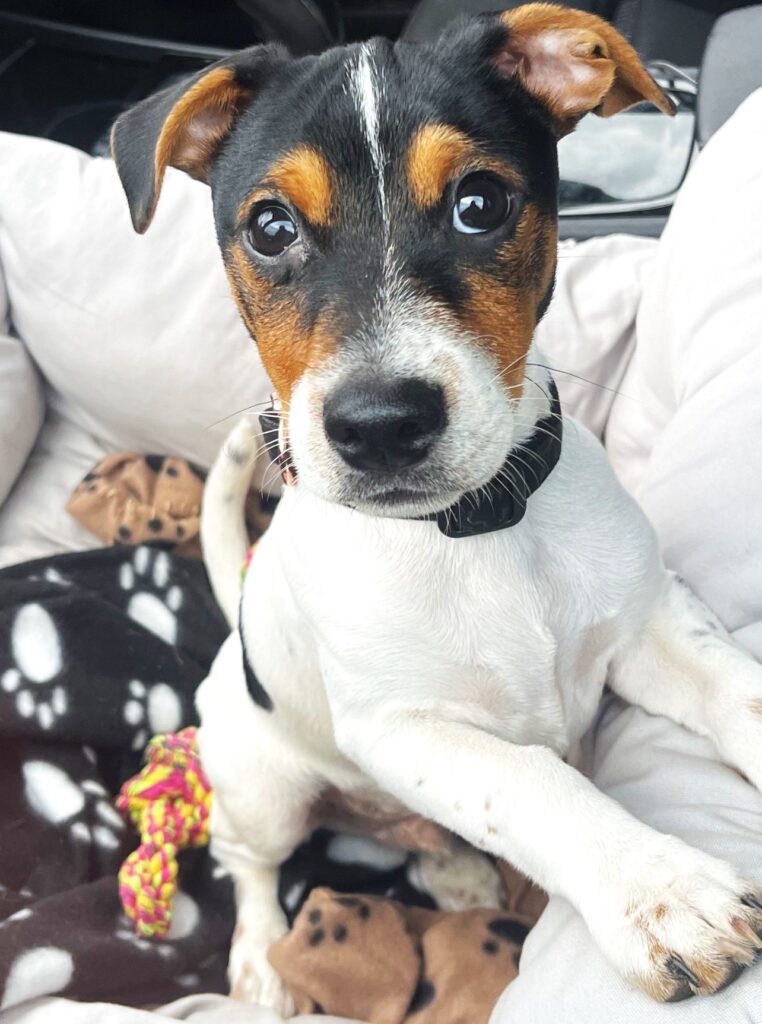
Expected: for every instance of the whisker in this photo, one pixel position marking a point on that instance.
(247, 408)
(585, 380)
(505, 369)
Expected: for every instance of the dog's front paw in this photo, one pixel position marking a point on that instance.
(688, 925)
(252, 977)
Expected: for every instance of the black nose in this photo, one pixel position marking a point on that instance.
(376, 424)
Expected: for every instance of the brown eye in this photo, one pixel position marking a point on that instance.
(272, 229)
(481, 204)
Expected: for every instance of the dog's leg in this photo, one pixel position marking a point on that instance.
(252, 851)
(672, 919)
(264, 787)
(685, 666)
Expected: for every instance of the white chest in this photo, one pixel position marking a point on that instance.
(512, 631)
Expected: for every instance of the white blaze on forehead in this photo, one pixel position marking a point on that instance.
(367, 90)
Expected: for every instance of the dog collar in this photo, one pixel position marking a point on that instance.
(498, 505)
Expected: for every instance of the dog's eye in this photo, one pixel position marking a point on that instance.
(272, 229)
(481, 204)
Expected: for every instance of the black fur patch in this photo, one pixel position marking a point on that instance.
(313, 101)
(257, 692)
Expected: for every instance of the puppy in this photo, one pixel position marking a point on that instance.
(455, 574)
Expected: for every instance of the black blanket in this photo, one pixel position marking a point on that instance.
(98, 652)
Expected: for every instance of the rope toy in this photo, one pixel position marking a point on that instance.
(168, 802)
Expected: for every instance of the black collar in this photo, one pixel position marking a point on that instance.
(502, 502)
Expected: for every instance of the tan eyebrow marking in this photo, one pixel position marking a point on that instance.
(287, 347)
(304, 178)
(439, 152)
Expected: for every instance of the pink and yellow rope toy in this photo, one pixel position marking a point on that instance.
(168, 802)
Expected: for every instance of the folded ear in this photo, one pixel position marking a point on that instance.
(573, 63)
(183, 126)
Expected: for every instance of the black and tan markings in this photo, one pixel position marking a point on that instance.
(365, 146)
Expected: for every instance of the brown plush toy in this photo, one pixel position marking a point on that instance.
(138, 499)
(376, 960)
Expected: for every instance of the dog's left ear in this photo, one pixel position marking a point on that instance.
(573, 63)
(184, 126)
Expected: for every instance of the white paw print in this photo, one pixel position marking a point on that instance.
(56, 798)
(156, 708)
(36, 650)
(155, 598)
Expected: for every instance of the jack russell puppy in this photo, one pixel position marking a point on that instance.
(456, 573)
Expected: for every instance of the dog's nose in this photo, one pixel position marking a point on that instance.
(388, 425)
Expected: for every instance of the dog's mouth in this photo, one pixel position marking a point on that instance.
(406, 502)
(402, 500)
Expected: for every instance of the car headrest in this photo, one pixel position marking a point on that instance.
(731, 69)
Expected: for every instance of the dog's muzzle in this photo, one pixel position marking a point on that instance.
(383, 425)
(493, 506)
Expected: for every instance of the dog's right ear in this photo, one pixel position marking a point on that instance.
(184, 125)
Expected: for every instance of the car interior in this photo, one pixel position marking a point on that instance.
(69, 67)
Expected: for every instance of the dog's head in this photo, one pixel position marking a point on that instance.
(387, 217)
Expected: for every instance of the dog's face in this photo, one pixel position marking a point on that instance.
(387, 218)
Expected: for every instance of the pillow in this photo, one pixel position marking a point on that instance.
(137, 337)
(685, 434)
(588, 333)
(21, 401)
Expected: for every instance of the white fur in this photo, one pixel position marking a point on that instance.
(223, 530)
(366, 87)
(455, 675)
(411, 336)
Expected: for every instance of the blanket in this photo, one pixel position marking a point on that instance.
(98, 652)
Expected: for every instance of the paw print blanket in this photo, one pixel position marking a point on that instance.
(98, 652)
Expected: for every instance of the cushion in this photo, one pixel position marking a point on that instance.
(21, 401)
(137, 336)
(684, 435)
